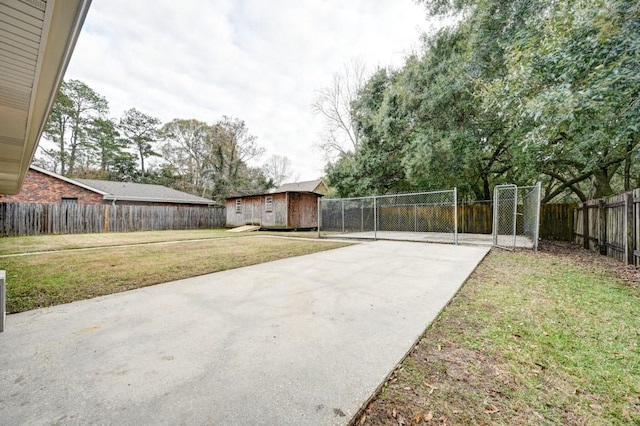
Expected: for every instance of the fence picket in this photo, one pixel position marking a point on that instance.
(610, 226)
(34, 219)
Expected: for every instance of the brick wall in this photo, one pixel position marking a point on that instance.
(41, 188)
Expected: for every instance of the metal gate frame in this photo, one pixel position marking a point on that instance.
(506, 216)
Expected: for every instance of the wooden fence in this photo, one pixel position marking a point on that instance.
(556, 220)
(35, 219)
(611, 226)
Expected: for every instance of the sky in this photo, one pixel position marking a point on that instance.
(260, 61)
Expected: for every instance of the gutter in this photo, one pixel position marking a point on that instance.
(114, 198)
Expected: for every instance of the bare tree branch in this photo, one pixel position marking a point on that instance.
(333, 104)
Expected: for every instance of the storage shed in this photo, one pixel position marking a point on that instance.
(291, 206)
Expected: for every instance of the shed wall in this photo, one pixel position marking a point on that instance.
(289, 211)
(303, 210)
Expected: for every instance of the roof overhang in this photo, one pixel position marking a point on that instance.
(37, 38)
(115, 198)
(68, 180)
(267, 194)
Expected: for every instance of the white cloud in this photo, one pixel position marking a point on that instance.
(259, 61)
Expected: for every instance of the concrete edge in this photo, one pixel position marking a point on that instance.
(358, 414)
(400, 240)
(3, 299)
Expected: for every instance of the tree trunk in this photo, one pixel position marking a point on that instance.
(602, 184)
(142, 162)
(486, 189)
(627, 168)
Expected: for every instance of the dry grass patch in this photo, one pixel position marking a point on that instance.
(38, 243)
(43, 243)
(55, 278)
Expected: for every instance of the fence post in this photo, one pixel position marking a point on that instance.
(602, 219)
(375, 219)
(629, 243)
(455, 215)
(106, 219)
(585, 225)
(343, 216)
(319, 214)
(3, 299)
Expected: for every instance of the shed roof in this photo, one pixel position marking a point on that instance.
(306, 186)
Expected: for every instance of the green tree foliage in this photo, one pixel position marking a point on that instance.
(188, 149)
(76, 106)
(212, 159)
(572, 90)
(140, 131)
(108, 151)
(516, 91)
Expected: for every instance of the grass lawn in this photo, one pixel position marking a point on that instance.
(548, 338)
(38, 243)
(53, 278)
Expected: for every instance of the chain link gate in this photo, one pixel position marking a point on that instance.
(390, 216)
(505, 210)
(530, 198)
(516, 214)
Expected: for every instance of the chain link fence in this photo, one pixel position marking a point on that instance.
(389, 216)
(516, 214)
(530, 197)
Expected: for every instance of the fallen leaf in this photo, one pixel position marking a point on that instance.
(407, 388)
(492, 410)
(363, 419)
(428, 417)
(419, 415)
(439, 347)
(431, 387)
(401, 421)
(394, 413)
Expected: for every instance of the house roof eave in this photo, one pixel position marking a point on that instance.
(68, 180)
(28, 95)
(111, 197)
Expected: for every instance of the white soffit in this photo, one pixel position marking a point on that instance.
(36, 41)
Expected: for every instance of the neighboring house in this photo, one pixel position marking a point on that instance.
(291, 206)
(42, 186)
